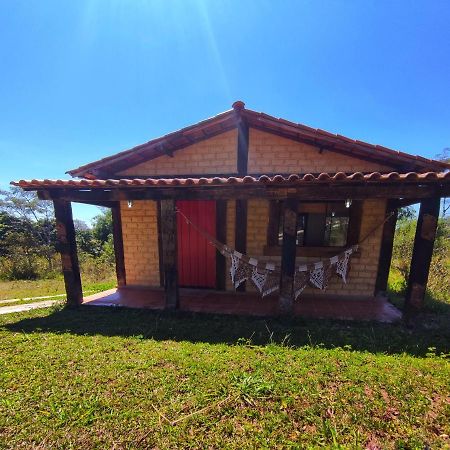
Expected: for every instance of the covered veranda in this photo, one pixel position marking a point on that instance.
(378, 309)
(399, 189)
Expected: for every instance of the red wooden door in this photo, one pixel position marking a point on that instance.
(196, 256)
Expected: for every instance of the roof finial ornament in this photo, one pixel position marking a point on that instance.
(238, 105)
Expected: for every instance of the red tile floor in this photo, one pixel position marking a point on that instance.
(217, 302)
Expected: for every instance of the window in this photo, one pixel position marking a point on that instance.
(319, 225)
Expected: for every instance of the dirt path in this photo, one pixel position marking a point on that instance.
(12, 300)
(27, 306)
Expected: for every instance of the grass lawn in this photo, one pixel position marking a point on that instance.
(114, 378)
(39, 288)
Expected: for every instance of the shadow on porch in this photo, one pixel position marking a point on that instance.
(251, 304)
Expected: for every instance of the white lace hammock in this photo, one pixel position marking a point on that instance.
(265, 276)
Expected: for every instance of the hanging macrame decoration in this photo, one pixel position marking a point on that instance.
(272, 283)
(300, 282)
(342, 265)
(266, 276)
(239, 271)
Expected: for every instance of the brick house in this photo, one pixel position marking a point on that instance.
(274, 190)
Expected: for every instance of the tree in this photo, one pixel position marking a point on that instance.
(445, 203)
(28, 226)
(102, 226)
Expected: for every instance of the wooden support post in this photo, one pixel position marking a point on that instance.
(67, 247)
(118, 245)
(242, 147)
(274, 221)
(160, 258)
(221, 235)
(354, 224)
(288, 254)
(421, 257)
(242, 170)
(387, 242)
(169, 252)
(240, 234)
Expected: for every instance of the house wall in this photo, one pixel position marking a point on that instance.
(269, 153)
(140, 242)
(364, 266)
(140, 235)
(215, 155)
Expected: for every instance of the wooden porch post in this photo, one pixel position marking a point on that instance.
(221, 235)
(242, 170)
(240, 234)
(67, 247)
(118, 245)
(421, 257)
(169, 252)
(288, 254)
(387, 242)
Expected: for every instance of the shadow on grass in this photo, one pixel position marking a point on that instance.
(432, 305)
(181, 326)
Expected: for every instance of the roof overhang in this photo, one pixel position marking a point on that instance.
(307, 187)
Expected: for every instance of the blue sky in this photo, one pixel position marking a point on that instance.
(83, 79)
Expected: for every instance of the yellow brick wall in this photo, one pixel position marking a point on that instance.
(362, 277)
(257, 223)
(212, 156)
(140, 235)
(140, 241)
(269, 153)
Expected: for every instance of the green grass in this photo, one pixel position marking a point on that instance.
(114, 378)
(39, 288)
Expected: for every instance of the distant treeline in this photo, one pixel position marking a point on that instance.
(28, 245)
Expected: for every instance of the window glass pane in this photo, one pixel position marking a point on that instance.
(320, 224)
(336, 231)
(301, 222)
(280, 230)
(315, 230)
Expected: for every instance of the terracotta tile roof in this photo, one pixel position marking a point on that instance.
(293, 179)
(229, 120)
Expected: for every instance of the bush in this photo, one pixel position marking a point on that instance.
(19, 267)
(439, 277)
(94, 269)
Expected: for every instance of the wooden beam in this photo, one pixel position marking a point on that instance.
(274, 223)
(421, 257)
(160, 258)
(221, 235)
(101, 204)
(314, 192)
(242, 147)
(169, 253)
(354, 222)
(67, 247)
(288, 254)
(240, 233)
(403, 202)
(118, 245)
(387, 242)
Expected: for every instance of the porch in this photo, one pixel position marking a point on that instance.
(376, 309)
(396, 190)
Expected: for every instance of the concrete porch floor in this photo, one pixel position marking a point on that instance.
(248, 303)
